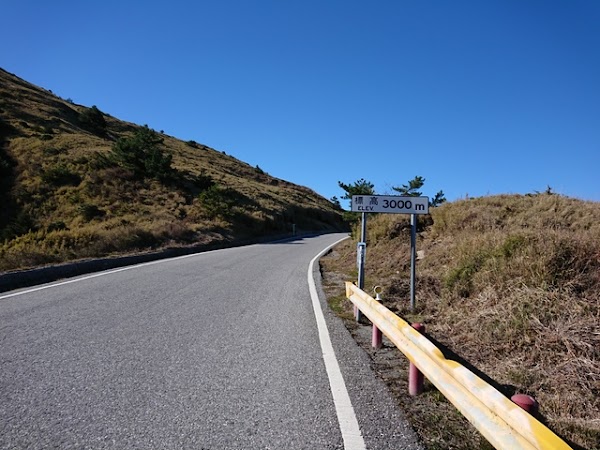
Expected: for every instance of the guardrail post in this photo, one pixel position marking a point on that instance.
(376, 337)
(527, 402)
(415, 376)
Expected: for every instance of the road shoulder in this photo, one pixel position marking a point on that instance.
(382, 423)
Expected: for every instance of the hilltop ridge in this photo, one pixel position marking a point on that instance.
(78, 183)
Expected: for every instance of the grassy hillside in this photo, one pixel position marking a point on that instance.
(76, 182)
(510, 284)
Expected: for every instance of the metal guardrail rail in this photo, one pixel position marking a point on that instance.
(503, 423)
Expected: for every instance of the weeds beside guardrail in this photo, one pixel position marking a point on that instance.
(504, 424)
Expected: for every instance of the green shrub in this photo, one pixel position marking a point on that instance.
(93, 119)
(61, 175)
(51, 151)
(217, 202)
(460, 278)
(142, 154)
(6, 164)
(18, 224)
(57, 226)
(512, 245)
(89, 211)
(203, 181)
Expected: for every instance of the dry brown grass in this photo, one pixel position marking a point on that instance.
(57, 203)
(511, 284)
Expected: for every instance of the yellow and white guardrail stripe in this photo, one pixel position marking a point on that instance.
(503, 423)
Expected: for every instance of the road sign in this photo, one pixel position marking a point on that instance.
(391, 204)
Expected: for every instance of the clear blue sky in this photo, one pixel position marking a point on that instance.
(479, 97)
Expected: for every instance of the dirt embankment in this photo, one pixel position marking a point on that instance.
(511, 286)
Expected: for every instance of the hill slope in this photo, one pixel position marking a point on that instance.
(510, 284)
(76, 182)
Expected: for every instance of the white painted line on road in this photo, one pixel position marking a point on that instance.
(351, 434)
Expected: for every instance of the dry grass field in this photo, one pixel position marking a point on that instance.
(508, 284)
(77, 183)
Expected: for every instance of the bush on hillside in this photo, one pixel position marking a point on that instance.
(61, 175)
(141, 154)
(20, 223)
(6, 164)
(203, 181)
(93, 119)
(89, 212)
(217, 201)
(57, 226)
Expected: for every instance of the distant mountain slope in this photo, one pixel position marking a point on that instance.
(76, 182)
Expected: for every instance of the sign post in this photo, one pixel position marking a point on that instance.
(413, 259)
(361, 253)
(363, 249)
(390, 204)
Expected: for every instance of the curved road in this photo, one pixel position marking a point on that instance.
(218, 350)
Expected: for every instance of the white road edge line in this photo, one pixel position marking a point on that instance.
(349, 427)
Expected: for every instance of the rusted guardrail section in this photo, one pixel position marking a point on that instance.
(504, 424)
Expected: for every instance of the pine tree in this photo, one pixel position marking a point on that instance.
(359, 187)
(142, 154)
(411, 189)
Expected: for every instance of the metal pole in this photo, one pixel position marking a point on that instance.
(413, 259)
(363, 238)
(363, 230)
(361, 265)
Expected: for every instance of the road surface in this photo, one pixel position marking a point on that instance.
(218, 350)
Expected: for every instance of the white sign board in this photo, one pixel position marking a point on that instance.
(391, 204)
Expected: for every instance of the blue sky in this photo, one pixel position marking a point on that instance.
(478, 97)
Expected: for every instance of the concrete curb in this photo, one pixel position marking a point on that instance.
(47, 274)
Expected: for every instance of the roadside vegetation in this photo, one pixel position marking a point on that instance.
(77, 183)
(507, 284)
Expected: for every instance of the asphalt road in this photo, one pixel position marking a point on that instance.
(218, 350)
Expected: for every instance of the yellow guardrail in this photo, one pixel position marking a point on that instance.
(504, 424)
